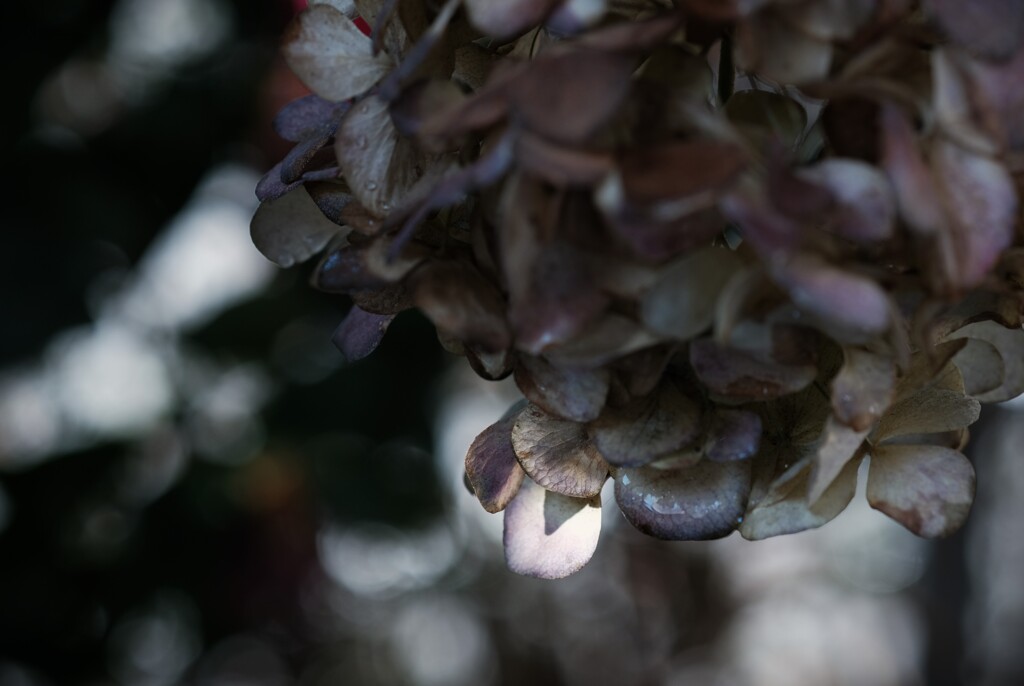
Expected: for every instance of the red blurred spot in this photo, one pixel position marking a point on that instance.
(362, 25)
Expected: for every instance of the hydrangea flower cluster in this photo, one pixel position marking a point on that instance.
(728, 249)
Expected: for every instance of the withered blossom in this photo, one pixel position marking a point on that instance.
(728, 250)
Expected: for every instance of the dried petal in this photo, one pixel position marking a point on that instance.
(457, 298)
(682, 303)
(360, 333)
(305, 117)
(863, 388)
(741, 376)
(548, 535)
(383, 169)
(992, 28)
(845, 301)
(789, 512)
(575, 394)
(610, 337)
(865, 205)
(836, 447)
(732, 435)
(331, 56)
(291, 229)
(557, 454)
(1010, 344)
(982, 205)
(933, 410)
(646, 428)
(927, 489)
(982, 367)
(695, 503)
(491, 465)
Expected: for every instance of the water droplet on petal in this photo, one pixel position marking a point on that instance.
(371, 186)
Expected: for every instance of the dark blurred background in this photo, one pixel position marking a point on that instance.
(194, 489)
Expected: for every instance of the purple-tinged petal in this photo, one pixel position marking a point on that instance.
(549, 535)
(732, 435)
(927, 489)
(291, 229)
(575, 394)
(360, 333)
(647, 428)
(695, 503)
(492, 469)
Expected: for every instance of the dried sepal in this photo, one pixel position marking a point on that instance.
(492, 469)
(863, 388)
(558, 454)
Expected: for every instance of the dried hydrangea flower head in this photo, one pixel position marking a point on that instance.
(728, 250)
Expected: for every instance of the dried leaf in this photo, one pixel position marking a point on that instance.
(695, 503)
(927, 489)
(548, 535)
(557, 454)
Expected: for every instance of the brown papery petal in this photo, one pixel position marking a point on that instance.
(933, 410)
(331, 56)
(610, 337)
(575, 394)
(557, 454)
(646, 428)
(548, 535)
(458, 299)
(291, 229)
(863, 388)
(695, 503)
(381, 167)
(491, 465)
(927, 489)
